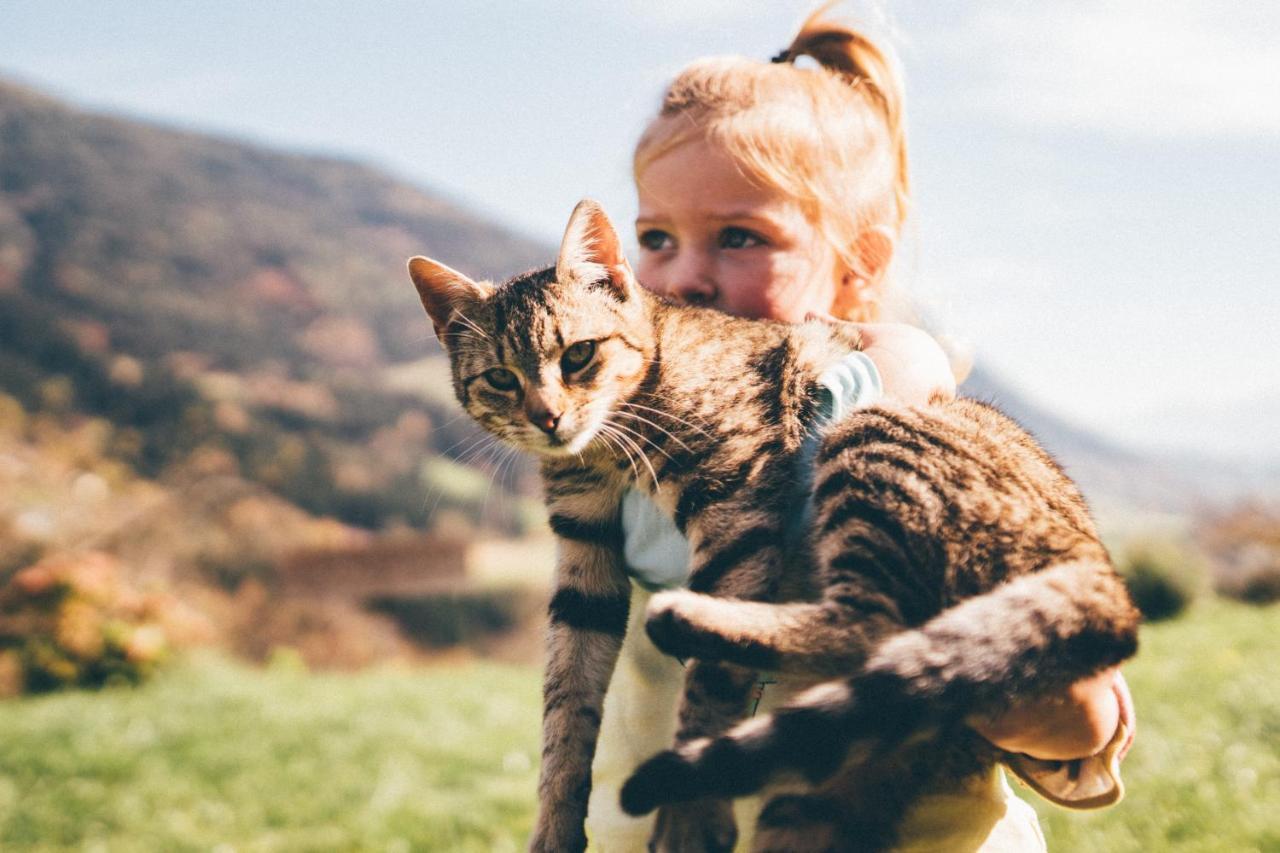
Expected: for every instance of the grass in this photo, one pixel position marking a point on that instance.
(213, 756)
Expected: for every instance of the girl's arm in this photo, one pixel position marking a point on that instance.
(912, 366)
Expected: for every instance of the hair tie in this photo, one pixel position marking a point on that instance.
(783, 56)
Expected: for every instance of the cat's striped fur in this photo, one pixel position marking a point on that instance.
(617, 389)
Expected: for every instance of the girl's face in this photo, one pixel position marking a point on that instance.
(708, 236)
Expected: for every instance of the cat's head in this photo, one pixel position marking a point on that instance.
(542, 359)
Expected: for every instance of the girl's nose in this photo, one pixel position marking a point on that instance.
(693, 283)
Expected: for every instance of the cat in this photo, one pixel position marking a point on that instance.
(614, 389)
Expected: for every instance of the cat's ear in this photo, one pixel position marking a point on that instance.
(592, 253)
(442, 290)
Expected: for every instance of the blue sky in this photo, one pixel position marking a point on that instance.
(1097, 184)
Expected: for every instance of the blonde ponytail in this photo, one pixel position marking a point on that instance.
(851, 55)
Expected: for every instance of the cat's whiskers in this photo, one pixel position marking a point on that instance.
(666, 414)
(639, 435)
(482, 442)
(647, 422)
(628, 440)
(614, 440)
(606, 435)
(475, 445)
(505, 457)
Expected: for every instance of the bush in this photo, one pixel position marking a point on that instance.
(1244, 544)
(1262, 588)
(1163, 578)
(452, 618)
(72, 620)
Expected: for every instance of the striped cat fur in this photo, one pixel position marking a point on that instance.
(950, 564)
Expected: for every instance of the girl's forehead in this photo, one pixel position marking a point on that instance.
(700, 173)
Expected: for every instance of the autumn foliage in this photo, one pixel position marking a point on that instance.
(74, 620)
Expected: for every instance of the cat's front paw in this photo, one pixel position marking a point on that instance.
(665, 777)
(701, 825)
(671, 623)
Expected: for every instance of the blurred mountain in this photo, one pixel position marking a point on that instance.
(1118, 478)
(217, 300)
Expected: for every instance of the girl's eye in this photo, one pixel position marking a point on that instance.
(739, 238)
(577, 356)
(502, 379)
(655, 240)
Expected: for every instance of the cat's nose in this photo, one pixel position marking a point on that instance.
(546, 421)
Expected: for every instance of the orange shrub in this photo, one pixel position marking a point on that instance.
(72, 619)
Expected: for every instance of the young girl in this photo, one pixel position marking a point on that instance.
(771, 190)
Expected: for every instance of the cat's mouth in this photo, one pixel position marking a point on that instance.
(562, 442)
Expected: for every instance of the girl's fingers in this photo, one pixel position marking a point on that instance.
(1128, 715)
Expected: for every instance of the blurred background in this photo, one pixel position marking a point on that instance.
(263, 588)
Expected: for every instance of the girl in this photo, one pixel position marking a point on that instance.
(771, 190)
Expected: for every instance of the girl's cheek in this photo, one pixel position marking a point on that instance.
(745, 286)
(648, 271)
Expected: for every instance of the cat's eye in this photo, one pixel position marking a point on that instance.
(734, 237)
(655, 240)
(577, 356)
(502, 379)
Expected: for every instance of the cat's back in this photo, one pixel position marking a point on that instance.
(949, 498)
(704, 346)
(753, 383)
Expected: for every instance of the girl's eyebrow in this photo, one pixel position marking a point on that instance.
(733, 216)
(743, 216)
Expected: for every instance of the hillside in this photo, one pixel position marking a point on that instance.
(211, 297)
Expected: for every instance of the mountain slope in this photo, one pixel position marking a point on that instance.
(207, 295)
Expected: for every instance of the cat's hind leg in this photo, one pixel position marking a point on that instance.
(808, 737)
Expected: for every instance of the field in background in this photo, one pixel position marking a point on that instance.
(213, 755)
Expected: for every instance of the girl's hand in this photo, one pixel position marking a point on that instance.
(912, 365)
(1076, 724)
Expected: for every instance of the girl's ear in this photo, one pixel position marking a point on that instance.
(591, 252)
(861, 286)
(875, 247)
(442, 290)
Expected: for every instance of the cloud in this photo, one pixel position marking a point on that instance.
(1175, 69)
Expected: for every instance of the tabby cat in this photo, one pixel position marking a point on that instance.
(917, 514)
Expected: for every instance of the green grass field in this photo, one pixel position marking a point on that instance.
(214, 756)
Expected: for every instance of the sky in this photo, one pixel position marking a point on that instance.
(1097, 184)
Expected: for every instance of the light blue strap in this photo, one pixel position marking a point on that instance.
(850, 383)
(657, 554)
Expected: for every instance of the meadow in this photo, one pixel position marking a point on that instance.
(212, 755)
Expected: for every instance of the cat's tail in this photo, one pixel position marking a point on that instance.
(1033, 635)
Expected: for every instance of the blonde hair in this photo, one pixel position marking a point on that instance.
(832, 138)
